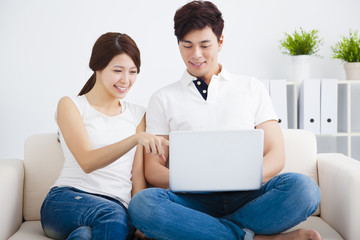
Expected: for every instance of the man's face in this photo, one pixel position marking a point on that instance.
(199, 50)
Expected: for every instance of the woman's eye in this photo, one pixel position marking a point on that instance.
(118, 71)
(133, 72)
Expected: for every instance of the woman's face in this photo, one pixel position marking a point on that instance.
(118, 76)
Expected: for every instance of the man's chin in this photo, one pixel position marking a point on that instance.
(196, 74)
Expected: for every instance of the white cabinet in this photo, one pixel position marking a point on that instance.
(347, 138)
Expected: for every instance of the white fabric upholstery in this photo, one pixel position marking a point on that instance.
(30, 230)
(11, 196)
(326, 231)
(43, 162)
(300, 150)
(338, 178)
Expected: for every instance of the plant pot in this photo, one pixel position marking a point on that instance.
(352, 70)
(300, 67)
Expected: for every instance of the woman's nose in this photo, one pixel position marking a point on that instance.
(124, 78)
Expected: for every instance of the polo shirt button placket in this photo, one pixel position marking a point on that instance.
(201, 87)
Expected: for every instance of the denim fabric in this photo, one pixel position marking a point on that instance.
(281, 203)
(68, 213)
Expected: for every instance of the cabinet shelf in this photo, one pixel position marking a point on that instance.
(347, 138)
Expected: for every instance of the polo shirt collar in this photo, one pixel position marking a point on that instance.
(187, 78)
(224, 74)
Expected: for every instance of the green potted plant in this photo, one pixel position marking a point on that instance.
(301, 46)
(348, 51)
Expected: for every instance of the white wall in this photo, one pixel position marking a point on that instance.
(45, 48)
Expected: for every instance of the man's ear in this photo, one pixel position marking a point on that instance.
(221, 42)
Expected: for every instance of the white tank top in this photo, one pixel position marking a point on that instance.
(114, 179)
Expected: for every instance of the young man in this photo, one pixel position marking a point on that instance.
(209, 97)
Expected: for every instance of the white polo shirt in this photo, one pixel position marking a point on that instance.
(233, 102)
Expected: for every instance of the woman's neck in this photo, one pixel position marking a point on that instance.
(103, 102)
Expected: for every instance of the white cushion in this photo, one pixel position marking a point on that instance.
(301, 154)
(325, 230)
(30, 230)
(43, 162)
(11, 196)
(339, 178)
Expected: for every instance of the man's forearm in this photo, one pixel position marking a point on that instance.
(156, 173)
(272, 165)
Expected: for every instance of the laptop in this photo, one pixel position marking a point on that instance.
(213, 161)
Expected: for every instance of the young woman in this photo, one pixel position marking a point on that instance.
(98, 132)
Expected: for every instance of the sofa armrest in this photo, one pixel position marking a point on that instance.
(339, 181)
(11, 196)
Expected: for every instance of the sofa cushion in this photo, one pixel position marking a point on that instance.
(11, 196)
(43, 161)
(325, 230)
(301, 152)
(31, 230)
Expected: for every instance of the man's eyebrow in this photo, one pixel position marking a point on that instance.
(187, 41)
(205, 41)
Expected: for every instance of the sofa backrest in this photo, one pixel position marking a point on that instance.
(44, 159)
(301, 152)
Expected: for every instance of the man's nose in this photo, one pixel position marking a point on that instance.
(197, 52)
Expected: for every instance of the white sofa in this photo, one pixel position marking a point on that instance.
(25, 183)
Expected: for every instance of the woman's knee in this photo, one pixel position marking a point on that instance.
(111, 219)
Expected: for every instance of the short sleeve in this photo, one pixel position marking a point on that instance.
(156, 120)
(265, 110)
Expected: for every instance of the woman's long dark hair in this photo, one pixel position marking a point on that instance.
(106, 47)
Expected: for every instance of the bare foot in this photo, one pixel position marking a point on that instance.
(300, 234)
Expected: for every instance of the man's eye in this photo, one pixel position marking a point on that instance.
(206, 46)
(187, 46)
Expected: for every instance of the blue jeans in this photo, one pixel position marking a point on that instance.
(68, 213)
(281, 203)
